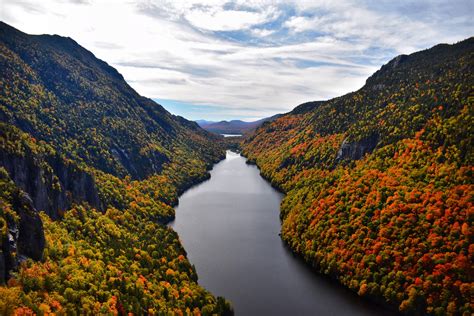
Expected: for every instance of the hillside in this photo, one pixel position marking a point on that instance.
(379, 182)
(106, 166)
(233, 127)
(59, 92)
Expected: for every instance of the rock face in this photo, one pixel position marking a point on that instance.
(24, 238)
(51, 190)
(2, 267)
(376, 81)
(30, 241)
(357, 150)
(43, 183)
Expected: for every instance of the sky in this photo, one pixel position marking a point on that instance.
(245, 59)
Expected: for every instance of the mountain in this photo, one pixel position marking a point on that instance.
(379, 182)
(235, 127)
(73, 100)
(89, 172)
(204, 122)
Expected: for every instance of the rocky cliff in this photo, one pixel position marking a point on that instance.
(35, 180)
(51, 189)
(22, 234)
(355, 150)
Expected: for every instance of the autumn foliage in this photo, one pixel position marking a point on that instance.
(66, 116)
(395, 225)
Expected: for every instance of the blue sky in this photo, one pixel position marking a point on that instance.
(245, 59)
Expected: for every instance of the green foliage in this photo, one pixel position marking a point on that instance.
(397, 224)
(60, 106)
(119, 261)
(59, 93)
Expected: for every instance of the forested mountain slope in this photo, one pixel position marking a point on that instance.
(379, 182)
(59, 92)
(106, 166)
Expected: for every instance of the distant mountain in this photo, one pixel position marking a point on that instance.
(204, 122)
(379, 182)
(236, 127)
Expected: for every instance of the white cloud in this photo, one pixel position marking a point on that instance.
(262, 32)
(403, 26)
(216, 19)
(169, 49)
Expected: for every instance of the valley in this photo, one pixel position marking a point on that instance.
(230, 226)
(110, 205)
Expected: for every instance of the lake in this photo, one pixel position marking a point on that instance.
(229, 226)
(231, 135)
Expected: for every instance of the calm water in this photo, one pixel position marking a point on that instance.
(231, 135)
(229, 226)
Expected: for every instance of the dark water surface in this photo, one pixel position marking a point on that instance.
(229, 226)
(231, 135)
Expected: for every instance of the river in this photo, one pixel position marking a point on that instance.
(229, 226)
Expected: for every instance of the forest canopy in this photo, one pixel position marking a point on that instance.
(379, 182)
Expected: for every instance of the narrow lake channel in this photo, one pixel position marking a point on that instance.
(229, 227)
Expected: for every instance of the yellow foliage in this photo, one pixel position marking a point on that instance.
(9, 299)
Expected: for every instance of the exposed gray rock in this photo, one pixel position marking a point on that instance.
(3, 271)
(357, 150)
(378, 87)
(122, 156)
(24, 239)
(31, 241)
(394, 63)
(42, 184)
(7, 262)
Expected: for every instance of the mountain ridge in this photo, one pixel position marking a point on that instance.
(236, 127)
(84, 87)
(89, 174)
(378, 182)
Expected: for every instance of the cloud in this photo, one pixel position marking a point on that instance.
(107, 45)
(403, 26)
(217, 19)
(245, 58)
(261, 32)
